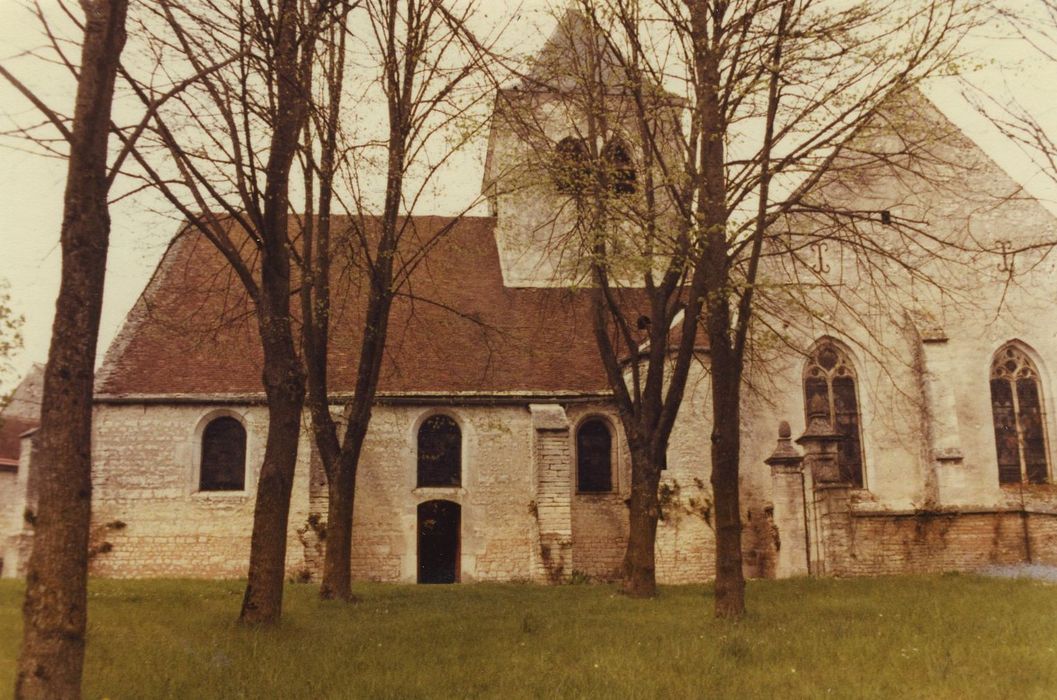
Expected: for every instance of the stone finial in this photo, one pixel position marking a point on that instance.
(785, 455)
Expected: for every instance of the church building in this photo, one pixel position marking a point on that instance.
(922, 440)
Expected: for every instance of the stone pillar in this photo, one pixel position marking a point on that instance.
(829, 516)
(790, 508)
(552, 462)
(947, 482)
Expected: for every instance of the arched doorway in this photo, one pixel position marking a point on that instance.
(439, 525)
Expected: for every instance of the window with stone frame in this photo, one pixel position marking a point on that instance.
(1018, 417)
(223, 464)
(620, 168)
(829, 386)
(439, 452)
(594, 457)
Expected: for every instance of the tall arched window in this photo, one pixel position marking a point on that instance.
(223, 465)
(620, 168)
(829, 382)
(572, 167)
(1016, 410)
(594, 457)
(439, 452)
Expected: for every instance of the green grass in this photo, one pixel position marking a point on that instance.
(935, 637)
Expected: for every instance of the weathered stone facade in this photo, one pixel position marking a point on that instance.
(522, 517)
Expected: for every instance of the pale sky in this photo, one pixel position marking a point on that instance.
(31, 187)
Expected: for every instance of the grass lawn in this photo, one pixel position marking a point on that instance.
(936, 636)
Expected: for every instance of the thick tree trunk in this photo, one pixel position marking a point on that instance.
(725, 362)
(640, 580)
(55, 608)
(726, 445)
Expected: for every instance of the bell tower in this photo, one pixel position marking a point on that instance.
(569, 110)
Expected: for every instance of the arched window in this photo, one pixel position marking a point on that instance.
(223, 466)
(619, 166)
(594, 457)
(829, 385)
(1016, 410)
(439, 452)
(572, 168)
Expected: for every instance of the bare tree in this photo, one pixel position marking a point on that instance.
(55, 609)
(423, 65)
(729, 116)
(228, 148)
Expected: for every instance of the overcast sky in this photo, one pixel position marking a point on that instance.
(31, 186)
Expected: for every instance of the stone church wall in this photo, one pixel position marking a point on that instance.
(600, 520)
(685, 541)
(146, 505)
(156, 523)
(495, 496)
(150, 520)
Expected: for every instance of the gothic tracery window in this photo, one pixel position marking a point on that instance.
(594, 457)
(1016, 411)
(439, 452)
(829, 382)
(223, 465)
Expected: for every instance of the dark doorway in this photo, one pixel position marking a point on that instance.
(439, 523)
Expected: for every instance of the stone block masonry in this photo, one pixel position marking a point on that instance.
(925, 542)
(552, 465)
(145, 479)
(521, 516)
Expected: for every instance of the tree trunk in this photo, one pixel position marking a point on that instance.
(55, 608)
(640, 580)
(284, 385)
(725, 362)
(726, 445)
(284, 381)
(337, 561)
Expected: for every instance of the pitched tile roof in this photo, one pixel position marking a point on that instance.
(455, 328)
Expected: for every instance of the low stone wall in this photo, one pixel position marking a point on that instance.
(686, 551)
(932, 541)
